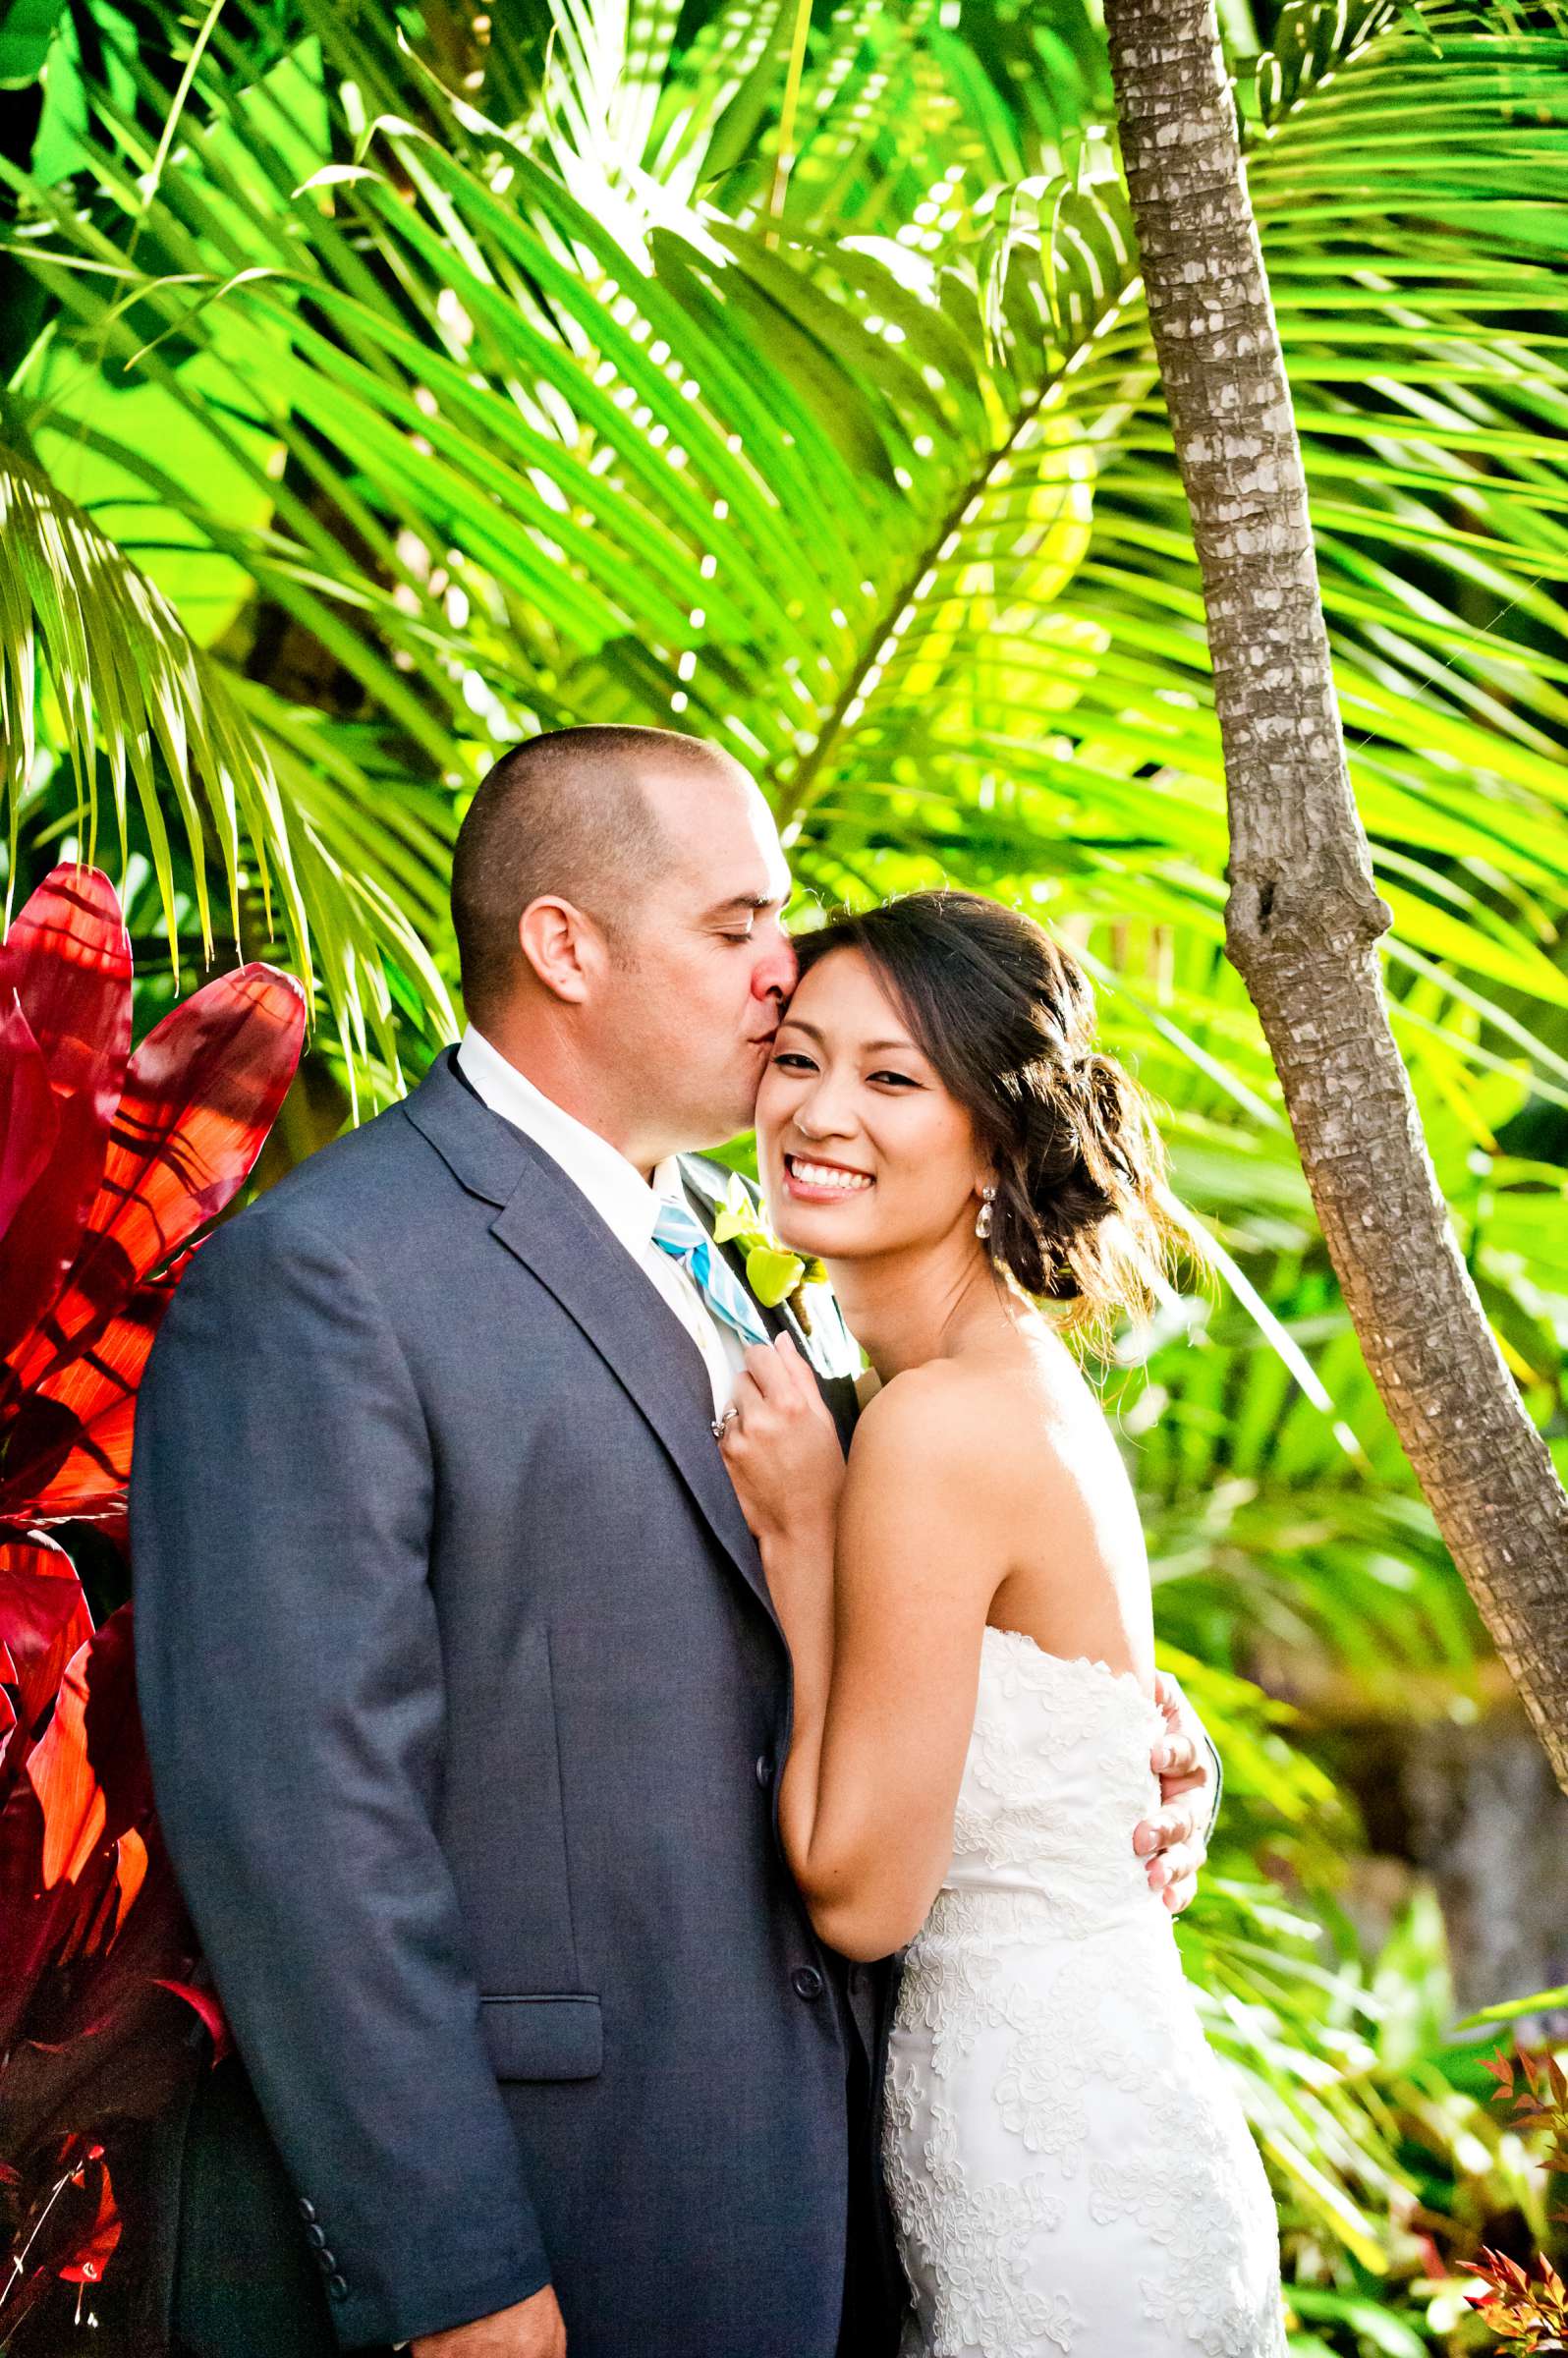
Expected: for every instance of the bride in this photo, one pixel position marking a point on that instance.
(967, 1607)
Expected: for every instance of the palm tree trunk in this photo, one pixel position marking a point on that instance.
(1303, 915)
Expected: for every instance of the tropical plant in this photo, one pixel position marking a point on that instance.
(111, 1162)
(492, 382)
(1527, 2307)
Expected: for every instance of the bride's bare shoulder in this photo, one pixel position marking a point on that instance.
(977, 1416)
(1020, 1424)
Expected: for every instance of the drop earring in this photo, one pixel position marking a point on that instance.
(983, 1219)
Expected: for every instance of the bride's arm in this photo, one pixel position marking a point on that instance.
(882, 1574)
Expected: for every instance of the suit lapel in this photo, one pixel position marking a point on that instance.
(549, 1226)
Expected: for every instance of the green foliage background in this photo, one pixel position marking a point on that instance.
(383, 384)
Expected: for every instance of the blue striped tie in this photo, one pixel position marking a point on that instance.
(680, 1234)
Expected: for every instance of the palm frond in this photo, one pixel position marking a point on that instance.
(149, 726)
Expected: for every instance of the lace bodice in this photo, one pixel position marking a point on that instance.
(1069, 2169)
(1057, 1777)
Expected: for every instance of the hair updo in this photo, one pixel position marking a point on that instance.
(1083, 1214)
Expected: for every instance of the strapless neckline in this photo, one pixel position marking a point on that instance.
(1072, 1661)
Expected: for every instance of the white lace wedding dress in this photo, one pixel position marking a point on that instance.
(1069, 2169)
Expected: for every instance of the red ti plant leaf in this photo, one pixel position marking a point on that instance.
(95, 2248)
(88, 1771)
(35, 1926)
(70, 1442)
(200, 1095)
(207, 2008)
(115, 1744)
(68, 2232)
(91, 1927)
(67, 959)
(109, 1169)
(28, 1121)
(60, 1774)
(44, 1621)
(129, 1872)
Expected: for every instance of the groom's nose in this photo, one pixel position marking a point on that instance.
(773, 977)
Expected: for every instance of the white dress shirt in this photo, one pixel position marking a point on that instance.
(617, 1191)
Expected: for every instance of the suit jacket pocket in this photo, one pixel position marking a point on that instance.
(502, 1825)
(545, 2038)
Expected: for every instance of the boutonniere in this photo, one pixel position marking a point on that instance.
(774, 1273)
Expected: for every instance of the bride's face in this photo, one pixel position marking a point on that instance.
(860, 1149)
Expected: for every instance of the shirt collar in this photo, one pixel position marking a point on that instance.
(617, 1190)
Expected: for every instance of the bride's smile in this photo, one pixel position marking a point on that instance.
(820, 1182)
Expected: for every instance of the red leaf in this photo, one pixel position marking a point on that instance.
(96, 2249)
(37, 1927)
(87, 2032)
(90, 1770)
(68, 960)
(116, 1746)
(1501, 2068)
(61, 1775)
(211, 2013)
(43, 1621)
(29, 1120)
(94, 1398)
(130, 1871)
(200, 1095)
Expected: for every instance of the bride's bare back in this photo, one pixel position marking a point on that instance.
(1076, 1578)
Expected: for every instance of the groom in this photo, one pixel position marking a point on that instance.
(464, 1694)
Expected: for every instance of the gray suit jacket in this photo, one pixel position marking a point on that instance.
(465, 1704)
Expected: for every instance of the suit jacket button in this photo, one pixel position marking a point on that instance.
(307, 2210)
(764, 1770)
(808, 1981)
(337, 2288)
(325, 2262)
(315, 2235)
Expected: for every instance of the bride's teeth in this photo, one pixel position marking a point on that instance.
(814, 1175)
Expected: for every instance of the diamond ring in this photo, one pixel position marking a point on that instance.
(719, 1423)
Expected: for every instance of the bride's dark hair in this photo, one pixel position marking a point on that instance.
(1084, 1216)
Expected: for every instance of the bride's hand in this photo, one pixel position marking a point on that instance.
(781, 1445)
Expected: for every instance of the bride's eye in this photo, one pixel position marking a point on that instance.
(791, 1060)
(901, 1080)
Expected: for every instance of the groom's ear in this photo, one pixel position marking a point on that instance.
(563, 947)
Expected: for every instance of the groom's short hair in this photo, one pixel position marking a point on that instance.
(567, 813)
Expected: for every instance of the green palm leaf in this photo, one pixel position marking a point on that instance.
(143, 715)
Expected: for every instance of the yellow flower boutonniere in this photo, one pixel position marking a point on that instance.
(773, 1272)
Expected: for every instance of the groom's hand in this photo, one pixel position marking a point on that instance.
(531, 2329)
(1171, 1844)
